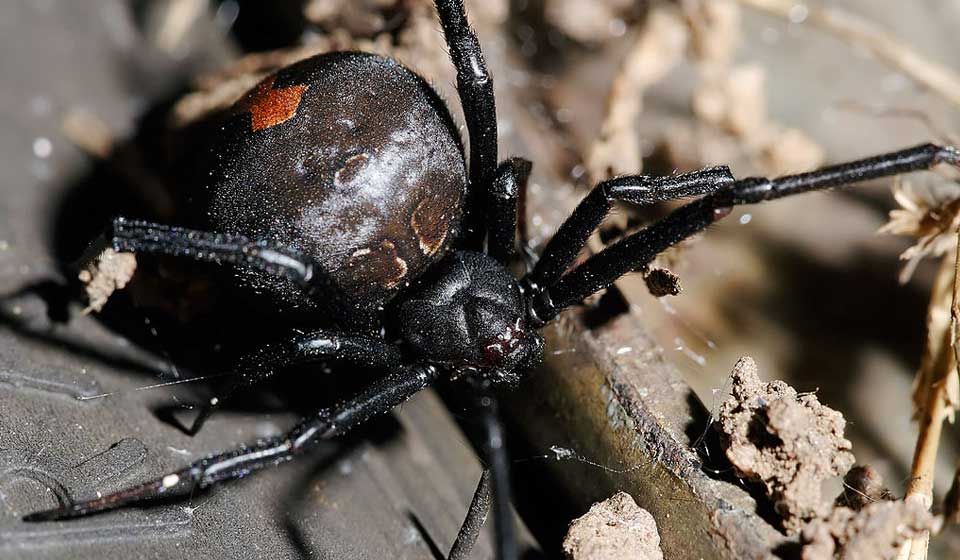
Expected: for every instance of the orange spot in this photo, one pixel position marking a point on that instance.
(270, 107)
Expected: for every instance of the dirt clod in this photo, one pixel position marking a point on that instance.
(107, 273)
(661, 282)
(788, 442)
(616, 528)
(873, 533)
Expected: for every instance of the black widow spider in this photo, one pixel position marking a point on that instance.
(341, 188)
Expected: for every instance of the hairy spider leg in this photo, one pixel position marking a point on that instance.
(473, 522)
(139, 236)
(572, 235)
(299, 349)
(495, 450)
(527, 253)
(637, 250)
(379, 398)
(504, 216)
(475, 88)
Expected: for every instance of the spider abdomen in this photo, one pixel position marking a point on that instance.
(350, 158)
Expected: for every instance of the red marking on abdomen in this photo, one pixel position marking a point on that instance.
(268, 106)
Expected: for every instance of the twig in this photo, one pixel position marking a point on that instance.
(932, 395)
(855, 29)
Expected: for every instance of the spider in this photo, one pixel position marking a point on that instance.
(341, 189)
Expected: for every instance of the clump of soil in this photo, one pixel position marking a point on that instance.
(787, 441)
(873, 533)
(661, 282)
(108, 272)
(613, 529)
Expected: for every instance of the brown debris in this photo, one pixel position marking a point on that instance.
(108, 272)
(873, 533)
(616, 528)
(88, 132)
(935, 389)
(734, 100)
(862, 486)
(657, 49)
(597, 21)
(661, 282)
(789, 442)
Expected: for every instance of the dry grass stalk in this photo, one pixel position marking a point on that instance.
(933, 218)
(935, 391)
(885, 46)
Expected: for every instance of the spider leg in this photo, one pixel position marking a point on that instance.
(475, 87)
(302, 348)
(473, 522)
(138, 236)
(637, 250)
(572, 235)
(494, 486)
(503, 207)
(496, 451)
(527, 253)
(379, 398)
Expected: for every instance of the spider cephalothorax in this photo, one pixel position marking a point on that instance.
(471, 316)
(340, 185)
